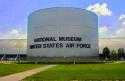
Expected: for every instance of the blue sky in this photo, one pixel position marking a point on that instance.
(14, 13)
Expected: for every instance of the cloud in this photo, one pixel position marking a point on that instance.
(115, 38)
(123, 23)
(103, 29)
(13, 34)
(112, 43)
(104, 32)
(120, 32)
(122, 17)
(100, 9)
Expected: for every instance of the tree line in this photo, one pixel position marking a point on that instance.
(111, 55)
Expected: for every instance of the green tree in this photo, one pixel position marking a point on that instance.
(121, 53)
(113, 55)
(106, 53)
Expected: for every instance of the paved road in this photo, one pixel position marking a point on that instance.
(22, 75)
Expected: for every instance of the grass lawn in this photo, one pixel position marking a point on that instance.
(6, 69)
(81, 72)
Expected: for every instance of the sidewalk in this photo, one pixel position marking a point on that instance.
(22, 75)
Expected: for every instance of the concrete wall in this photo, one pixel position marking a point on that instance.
(63, 22)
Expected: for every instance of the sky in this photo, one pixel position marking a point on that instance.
(14, 13)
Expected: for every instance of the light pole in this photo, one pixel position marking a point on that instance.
(3, 51)
(18, 45)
